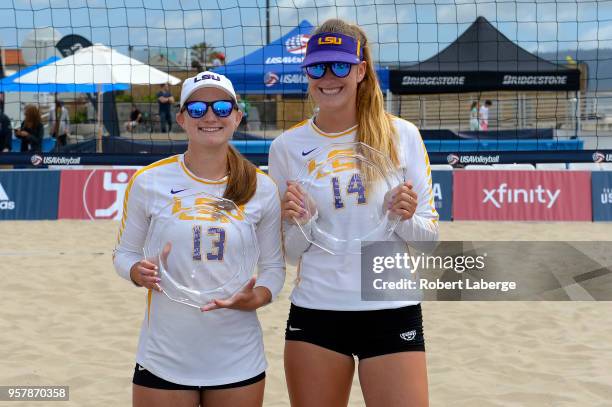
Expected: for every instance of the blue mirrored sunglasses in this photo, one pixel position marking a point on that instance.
(221, 108)
(340, 69)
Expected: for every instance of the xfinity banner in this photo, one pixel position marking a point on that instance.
(410, 82)
(522, 195)
(487, 271)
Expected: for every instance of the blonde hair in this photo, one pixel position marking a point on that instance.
(375, 126)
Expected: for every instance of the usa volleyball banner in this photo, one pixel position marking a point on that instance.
(93, 194)
(602, 196)
(522, 195)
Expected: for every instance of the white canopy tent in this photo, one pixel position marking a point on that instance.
(99, 65)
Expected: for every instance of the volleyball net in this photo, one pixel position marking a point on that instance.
(485, 81)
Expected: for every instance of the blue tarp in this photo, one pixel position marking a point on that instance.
(250, 145)
(275, 68)
(8, 84)
(454, 146)
(48, 144)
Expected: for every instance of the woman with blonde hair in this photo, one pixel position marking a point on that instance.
(329, 324)
(31, 131)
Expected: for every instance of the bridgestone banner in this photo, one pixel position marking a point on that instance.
(421, 82)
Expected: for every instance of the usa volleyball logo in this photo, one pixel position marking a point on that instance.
(297, 44)
(452, 159)
(598, 157)
(271, 79)
(36, 160)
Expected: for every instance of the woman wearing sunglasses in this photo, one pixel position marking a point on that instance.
(328, 323)
(214, 356)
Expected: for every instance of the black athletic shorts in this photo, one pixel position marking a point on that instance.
(143, 377)
(364, 334)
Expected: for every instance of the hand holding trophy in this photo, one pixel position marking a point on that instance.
(341, 193)
(296, 204)
(204, 249)
(401, 201)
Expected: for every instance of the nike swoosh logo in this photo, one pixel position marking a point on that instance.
(172, 191)
(294, 329)
(308, 152)
(140, 368)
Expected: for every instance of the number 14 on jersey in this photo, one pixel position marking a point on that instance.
(355, 186)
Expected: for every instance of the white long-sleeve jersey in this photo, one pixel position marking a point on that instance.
(178, 343)
(333, 282)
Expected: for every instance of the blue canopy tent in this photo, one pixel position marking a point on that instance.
(275, 68)
(8, 84)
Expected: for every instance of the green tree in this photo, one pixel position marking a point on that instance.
(204, 55)
(200, 55)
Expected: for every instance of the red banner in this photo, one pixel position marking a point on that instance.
(93, 194)
(522, 195)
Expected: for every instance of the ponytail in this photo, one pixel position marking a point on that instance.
(242, 179)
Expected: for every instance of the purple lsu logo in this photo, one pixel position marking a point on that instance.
(205, 77)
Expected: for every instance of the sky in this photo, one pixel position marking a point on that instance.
(400, 30)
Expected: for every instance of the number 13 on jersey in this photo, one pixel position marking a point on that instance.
(218, 245)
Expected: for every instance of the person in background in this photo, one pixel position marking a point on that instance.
(135, 119)
(474, 122)
(31, 131)
(484, 115)
(165, 101)
(5, 133)
(59, 123)
(1, 101)
(244, 106)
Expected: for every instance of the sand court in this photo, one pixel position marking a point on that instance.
(66, 318)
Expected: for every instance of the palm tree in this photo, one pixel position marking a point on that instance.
(199, 55)
(204, 55)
